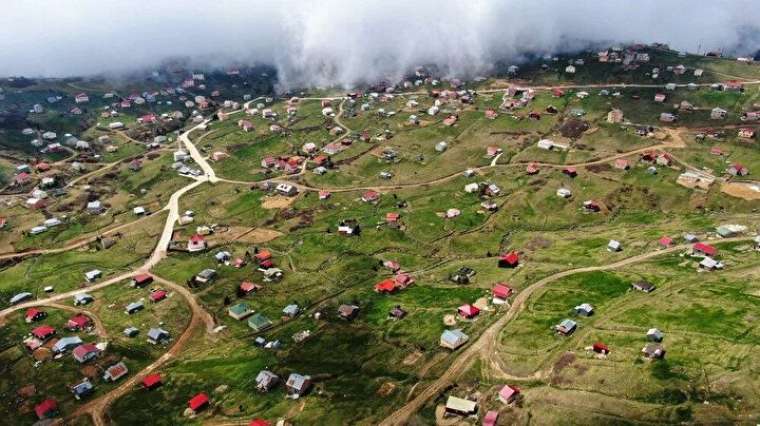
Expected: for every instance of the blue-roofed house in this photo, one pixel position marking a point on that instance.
(65, 343)
(83, 389)
(453, 339)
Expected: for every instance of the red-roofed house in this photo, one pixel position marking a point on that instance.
(248, 287)
(370, 196)
(570, 171)
(491, 114)
(600, 348)
(43, 332)
(491, 418)
(198, 402)
(746, 133)
(705, 249)
(404, 280)
(46, 409)
(78, 322)
(665, 242)
(152, 381)
(259, 422)
(158, 296)
(508, 394)
(196, 243)
(263, 255)
(501, 291)
(148, 119)
(532, 169)
(141, 280)
(85, 352)
(22, 178)
(468, 311)
(737, 169)
(493, 151)
(387, 285)
(34, 314)
(716, 151)
(392, 217)
(323, 195)
(622, 164)
(509, 260)
(42, 166)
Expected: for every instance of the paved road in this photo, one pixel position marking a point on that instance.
(487, 341)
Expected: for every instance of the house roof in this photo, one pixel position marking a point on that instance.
(705, 248)
(43, 331)
(158, 295)
(460, 404)
(79, 321)
(297, 381)
(247, 286)
(454, 336)
(468, 310)
(157, 333)
(32, 312)
(259, 422)
(198, 401)
(501, 290)
(82, 350)
(239, 309)
(117, 370)
(508, 392)
(511, 258)
(386, 286)
(142, 278)
(151, 380)
(45, 407)
(259, 322)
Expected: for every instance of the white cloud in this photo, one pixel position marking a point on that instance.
(347, 41)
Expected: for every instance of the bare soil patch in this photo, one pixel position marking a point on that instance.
(248, 235)
(412, 358)
(277, 202)
(745, 191)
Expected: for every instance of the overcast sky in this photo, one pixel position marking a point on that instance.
(343, 42)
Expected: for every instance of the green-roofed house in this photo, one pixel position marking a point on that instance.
(259, 322)
(239, 311)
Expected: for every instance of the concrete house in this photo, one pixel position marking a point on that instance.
(266, 380)
(297, 385)
(566, 327)
(460, 407)
(655, 335)
(82, 299)
(718, 113)
(134, 307)
(614, 246)
(584, 309)
(92, 276)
